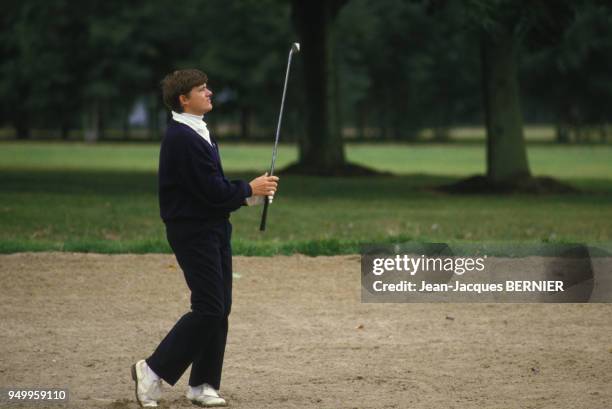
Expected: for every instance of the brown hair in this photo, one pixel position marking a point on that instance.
(180, 83)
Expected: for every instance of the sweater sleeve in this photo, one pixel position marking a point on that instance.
(201, 176)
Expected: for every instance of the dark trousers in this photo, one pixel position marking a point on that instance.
(204, 254)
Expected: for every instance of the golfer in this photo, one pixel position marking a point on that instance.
(195, 201)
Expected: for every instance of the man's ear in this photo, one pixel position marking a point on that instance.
(183, 99)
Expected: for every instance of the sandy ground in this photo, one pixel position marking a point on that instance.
(299, 338)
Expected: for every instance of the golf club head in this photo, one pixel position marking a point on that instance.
(295, 48)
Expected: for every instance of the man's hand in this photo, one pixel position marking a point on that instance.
(264, 185)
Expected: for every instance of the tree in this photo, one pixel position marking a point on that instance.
(246, 57)
(506, 150)
(403, 71)
(503, 27)
(579, 67)
(18, 65)
(115, 68)
(322, 150)
(62, 61)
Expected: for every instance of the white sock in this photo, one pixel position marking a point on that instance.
(150, 373)
(195, 390)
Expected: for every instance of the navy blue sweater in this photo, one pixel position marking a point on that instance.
(192, 185)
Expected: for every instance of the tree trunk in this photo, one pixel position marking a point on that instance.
(126, 124)
(22, 126)
(441, 133)
(154, 133)
(562, 133)
(361, 121)
(245, 122)
(442, 122)
(506, 150)
(101, 122)
(382, 124)
(322, 149)
(65, 130)
(92, 124)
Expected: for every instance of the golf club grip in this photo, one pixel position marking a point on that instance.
(264, 214)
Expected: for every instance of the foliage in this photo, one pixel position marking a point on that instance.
(571, 80)
(401, 66)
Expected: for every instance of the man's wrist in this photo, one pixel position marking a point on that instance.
(254, 200)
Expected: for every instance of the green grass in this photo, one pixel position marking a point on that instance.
(76, 197)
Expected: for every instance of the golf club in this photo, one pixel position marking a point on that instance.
(295, 48)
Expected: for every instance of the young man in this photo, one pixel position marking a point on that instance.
(195, 201)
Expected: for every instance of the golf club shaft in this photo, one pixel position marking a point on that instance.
(264, 214)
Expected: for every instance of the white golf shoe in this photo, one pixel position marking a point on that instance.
(148, 385)
(205, 395)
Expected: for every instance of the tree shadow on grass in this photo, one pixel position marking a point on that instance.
(110, 183)
(375, 188)
(78, 182)
(531, 185)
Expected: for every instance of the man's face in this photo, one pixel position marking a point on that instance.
(198, 101)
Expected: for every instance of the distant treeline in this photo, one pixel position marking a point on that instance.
(92, 69)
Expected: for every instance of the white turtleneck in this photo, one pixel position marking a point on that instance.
(195, 122)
